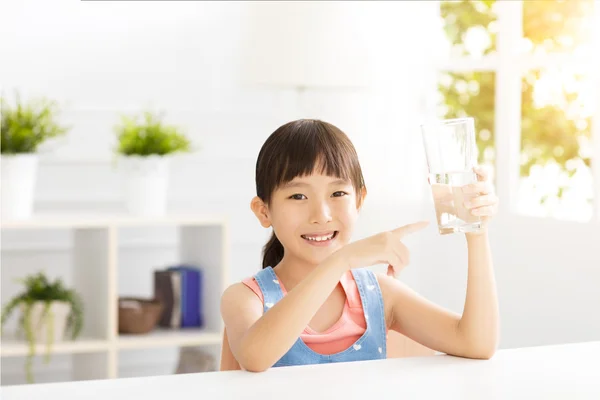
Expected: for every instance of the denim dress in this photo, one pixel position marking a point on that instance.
(370, 346)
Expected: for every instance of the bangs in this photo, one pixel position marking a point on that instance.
(304, 147)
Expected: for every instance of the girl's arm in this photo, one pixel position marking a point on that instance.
(479, 324)
(257, 341)
(228, 361)
(475, 334)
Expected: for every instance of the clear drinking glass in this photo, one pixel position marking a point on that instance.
(451, 153)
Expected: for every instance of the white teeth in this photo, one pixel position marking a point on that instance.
(319, 238)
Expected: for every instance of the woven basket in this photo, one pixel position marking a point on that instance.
(137, 315)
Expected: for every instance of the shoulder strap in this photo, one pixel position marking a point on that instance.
(269, 286)
(370, 292)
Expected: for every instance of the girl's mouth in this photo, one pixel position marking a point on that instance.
(320, 239)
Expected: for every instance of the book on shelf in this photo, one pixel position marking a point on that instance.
(179, 287)
(167, 289)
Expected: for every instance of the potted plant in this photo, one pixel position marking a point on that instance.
(23, 128)
(144, 146)
(48, 312)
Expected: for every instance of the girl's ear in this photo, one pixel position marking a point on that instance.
(259, 208)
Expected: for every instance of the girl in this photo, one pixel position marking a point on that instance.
(314, 301)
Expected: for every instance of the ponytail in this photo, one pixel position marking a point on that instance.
(272, 252)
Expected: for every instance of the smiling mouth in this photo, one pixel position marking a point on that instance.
(320, 238)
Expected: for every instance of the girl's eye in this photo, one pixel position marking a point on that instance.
(297, 196)
(339, 194)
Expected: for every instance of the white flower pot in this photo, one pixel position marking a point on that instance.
(19, 174)
(50, 327)
(146, 184)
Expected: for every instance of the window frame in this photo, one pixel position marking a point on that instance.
(509, 66)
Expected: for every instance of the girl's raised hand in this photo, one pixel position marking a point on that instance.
(382, 248)
(481, 199)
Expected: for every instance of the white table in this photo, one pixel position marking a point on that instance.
(565, 372)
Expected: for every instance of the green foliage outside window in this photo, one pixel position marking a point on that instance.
(550, 132)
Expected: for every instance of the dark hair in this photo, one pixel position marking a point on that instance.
(296, 149)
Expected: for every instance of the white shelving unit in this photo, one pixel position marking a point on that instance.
(203, 241)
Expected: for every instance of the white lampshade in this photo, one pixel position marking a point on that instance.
(304, 45)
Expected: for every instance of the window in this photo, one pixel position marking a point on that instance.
(471, 94)
(528, 72)
(556, 175)
(557, 105)
(470, 28)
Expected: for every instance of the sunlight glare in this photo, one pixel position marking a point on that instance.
(596, 28)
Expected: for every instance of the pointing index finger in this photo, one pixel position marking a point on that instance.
(410, 228)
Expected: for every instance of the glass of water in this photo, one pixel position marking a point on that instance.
(451, 153)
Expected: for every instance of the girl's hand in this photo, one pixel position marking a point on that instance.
(484, 202)
(383, 248)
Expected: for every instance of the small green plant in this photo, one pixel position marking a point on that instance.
(150, 136)
(38, 288)
(26, 125)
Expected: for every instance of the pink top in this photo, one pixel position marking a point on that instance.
(344, 333)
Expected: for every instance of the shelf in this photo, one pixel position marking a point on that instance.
(73, 220)
(16, 348)
(95, 253)
(155, 339)
(166, 338)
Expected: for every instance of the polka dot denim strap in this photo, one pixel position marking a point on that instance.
(370, 346)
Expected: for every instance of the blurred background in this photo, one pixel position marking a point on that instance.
(227, 74)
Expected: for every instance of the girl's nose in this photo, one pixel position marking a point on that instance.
(320, 213)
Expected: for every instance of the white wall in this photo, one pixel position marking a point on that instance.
(104, 58)
(101, 59)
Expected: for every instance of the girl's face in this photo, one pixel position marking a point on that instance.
(312, 216)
